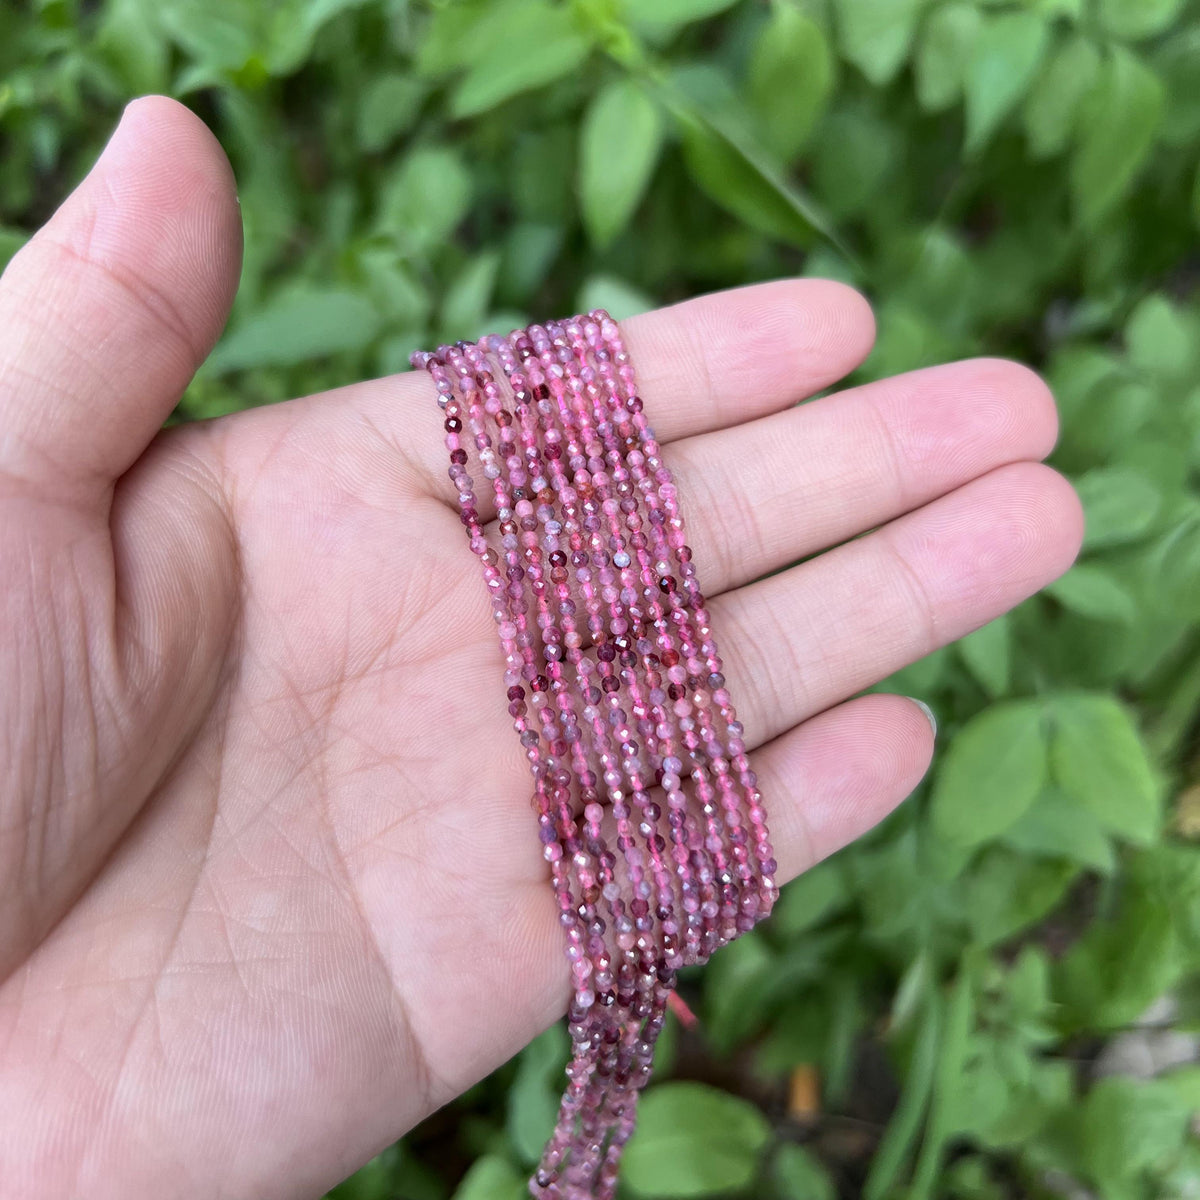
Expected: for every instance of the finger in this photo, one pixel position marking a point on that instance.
(732, 356)
(800, 641)
(767, 493)
(704, 364)
(829, 780)
(109, 309)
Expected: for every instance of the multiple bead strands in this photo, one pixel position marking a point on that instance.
(616, 690)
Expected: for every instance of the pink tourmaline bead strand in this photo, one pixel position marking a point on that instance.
(616, 691)
(575, 421)
(576, 1099)
(608, 1096)
(623, 409)
(627, 391)
(581, 1168)
(509, 613)
(617, 1099)
(684, 831)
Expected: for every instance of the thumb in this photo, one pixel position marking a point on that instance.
(106, 313)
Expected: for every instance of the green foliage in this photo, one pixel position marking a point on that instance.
(1121, 116)
(789, 79)
(619, 143)
(797, 1175)
(993, 772)
(1005, 54)
(692, 1140)
(492, 1178)
(1016, 177)
(534, 1095)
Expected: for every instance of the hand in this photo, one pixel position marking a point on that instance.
(270, 882)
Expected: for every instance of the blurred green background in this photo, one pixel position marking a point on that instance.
(993, 995)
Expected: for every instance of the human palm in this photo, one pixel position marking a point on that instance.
(270, 885)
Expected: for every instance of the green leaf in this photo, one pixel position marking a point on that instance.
(902, 1129)
(947, 42)
(920, 678)
(791, 79)
(218, 38)
(726, 161)
(853, 157)
(621, 299)
(876, 35)
(1058, 826)
(972, 1179)
(530, 249)
(945, 1105)
(1098, 759)
(389, 105)
(503, 65)
(395, 1173)
(457, 33)
(988, 655)
(469, 296)
(1119, 122)
(293, 28)
(1175, 564)
(1093, 591)
(661, 17)
(492, 1178)
(620, 140)
(912, 993)
(426, 198)
(396, 292)
(800, 1032)
(1160, 339)
(1119, 505)
(132, 39)
(1177, 62)
(541, 175)
(809, 899)
(1002, 65)
(533, 1098)
(1028, 986)
(373, 1181)
(993, 771)
(1128, 1127)
(1123, 963)
(692, 1140)
(301, 324)
(1005, 892)
(735, 980)
(1137, 18)
(1185, 1083)
(1052, 108)
(1077, 373)
(797, 1175)
(414, 1179)
(739, 179)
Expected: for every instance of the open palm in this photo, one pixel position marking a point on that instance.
(270, 885)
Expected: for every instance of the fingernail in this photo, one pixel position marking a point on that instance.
(928, 713)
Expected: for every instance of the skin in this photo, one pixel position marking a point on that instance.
(270, 885)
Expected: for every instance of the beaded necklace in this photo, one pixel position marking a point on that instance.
(616, 691)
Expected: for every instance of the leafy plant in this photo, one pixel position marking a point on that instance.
(1019, 178)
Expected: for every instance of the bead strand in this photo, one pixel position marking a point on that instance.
(576, 1102)
(616, 692)
(627, 390)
